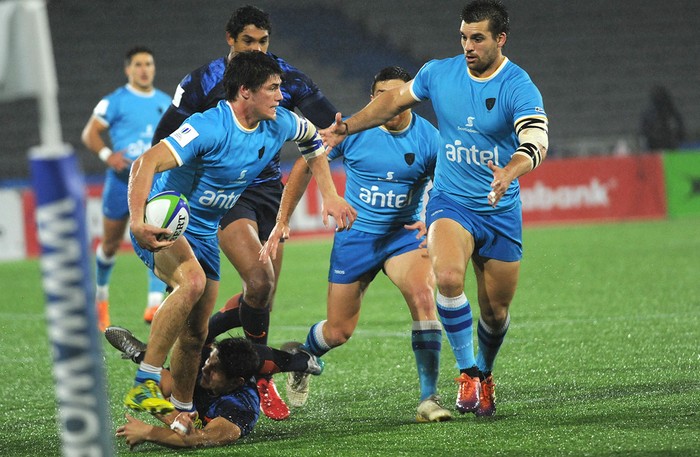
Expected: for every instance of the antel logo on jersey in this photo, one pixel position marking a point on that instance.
(459, 153)
(218, 199)
(373, 197)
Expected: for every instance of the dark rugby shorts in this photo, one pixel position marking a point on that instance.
(259, 204)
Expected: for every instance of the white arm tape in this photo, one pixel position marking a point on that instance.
(534, 140)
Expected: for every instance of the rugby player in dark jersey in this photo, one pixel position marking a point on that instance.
(225, 397)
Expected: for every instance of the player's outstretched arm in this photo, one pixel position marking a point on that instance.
(335, 133)
(333, 204)
(377, 112)
(296, 185)
(218, 432)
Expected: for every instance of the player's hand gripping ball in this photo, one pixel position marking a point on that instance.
(169, 210)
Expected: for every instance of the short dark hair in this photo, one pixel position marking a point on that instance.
(388, 73)
(136, 50)
(493, 10)
(237, 358)
(249, 69)
(247, 15)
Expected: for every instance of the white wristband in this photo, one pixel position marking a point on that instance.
(104, 153)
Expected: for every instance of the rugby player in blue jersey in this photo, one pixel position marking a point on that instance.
(247, 225)
(129, 116)
(211, 159)
(493, 129)
(387, 169)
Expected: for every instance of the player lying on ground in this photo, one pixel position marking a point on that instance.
(226, 398)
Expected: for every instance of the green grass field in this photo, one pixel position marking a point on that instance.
(602, 357)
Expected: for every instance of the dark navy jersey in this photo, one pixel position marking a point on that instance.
(203, 89)
(241, 407)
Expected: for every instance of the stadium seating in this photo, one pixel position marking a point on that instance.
(593, 61)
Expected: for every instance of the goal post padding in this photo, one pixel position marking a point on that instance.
(27, 69)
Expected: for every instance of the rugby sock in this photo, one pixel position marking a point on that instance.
(146, 372)
(426, 340)
(274, 361)
(225, 319)
(181, 405)
(456, 316)
(104, 268)
(315, 343)
(255, 322)
(490, 341)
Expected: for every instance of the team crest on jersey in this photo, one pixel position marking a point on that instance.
(409, 157)
(490, 102)
(261, 152)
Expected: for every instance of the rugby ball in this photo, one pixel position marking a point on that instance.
(168, 210)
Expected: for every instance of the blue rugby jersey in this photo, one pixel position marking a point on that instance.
(387, 172)
(219, 159)
(203, 89)
(131, 117)
(476, 119)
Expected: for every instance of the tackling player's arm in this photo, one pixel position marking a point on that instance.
(218, 432)
(377, 112)
(534, 140)
(156, 160)
(92, 138)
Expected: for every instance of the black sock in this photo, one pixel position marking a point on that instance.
(472, 372)
(275, 361)
(255, 322)
(221, 322)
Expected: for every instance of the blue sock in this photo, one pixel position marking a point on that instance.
(456, 316)
(426, 340)
(146, 372)
(104, 266)
(315, 343)
(490, 341)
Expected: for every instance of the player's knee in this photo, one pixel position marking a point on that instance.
(496, 316)
(259, 289)
(193, 286)
(449, 282)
